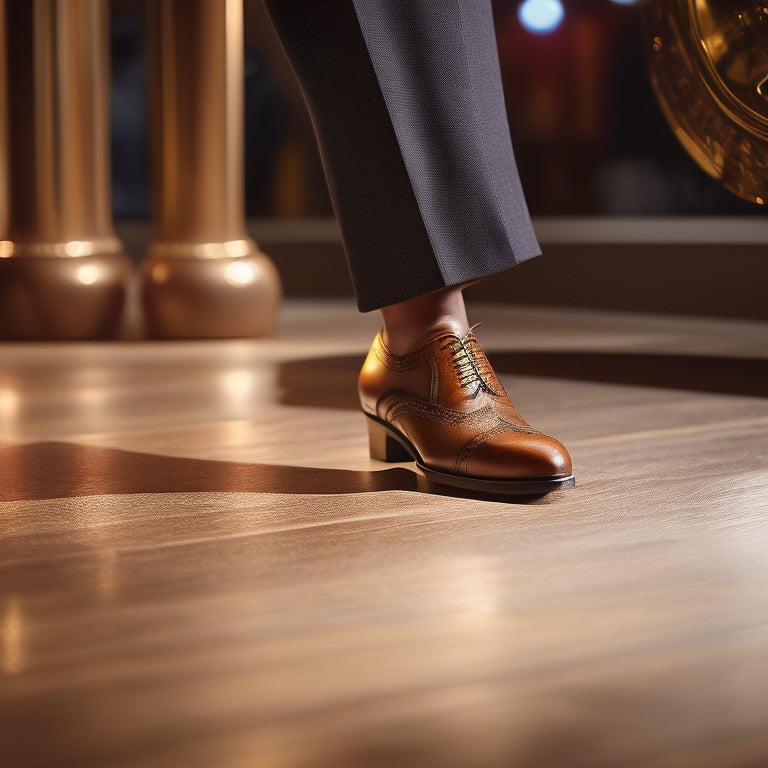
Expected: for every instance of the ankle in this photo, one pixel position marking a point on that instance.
(406, 324)
(402, 341)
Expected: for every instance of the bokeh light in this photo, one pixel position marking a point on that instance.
(541, 16)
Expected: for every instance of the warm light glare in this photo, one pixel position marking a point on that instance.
(241, 390)
(88, 274)
(238, 385)
(10, 403)
(240, 273)
(6, 249)
(75, 248)
(91, 397)
(11, 633)
(235, 249)
(540, 16)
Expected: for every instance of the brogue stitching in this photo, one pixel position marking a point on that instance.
(414, 406)
(465, 454)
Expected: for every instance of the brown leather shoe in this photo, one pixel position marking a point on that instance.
(443, 406)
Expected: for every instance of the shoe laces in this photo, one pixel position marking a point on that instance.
(473, 370)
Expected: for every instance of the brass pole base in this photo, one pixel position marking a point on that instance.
(198, 298)
(62, 298)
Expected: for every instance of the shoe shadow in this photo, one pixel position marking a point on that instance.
(48, 470)
(746, 376)
(330, 381)
(53, 470)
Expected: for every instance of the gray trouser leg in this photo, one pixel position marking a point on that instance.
(407, 104)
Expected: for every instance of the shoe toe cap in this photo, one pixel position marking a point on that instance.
(518, 456)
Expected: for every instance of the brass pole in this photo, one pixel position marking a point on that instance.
(3, 129)
(62, 270)
(204, 276)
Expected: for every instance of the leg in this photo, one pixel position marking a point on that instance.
(407, 104)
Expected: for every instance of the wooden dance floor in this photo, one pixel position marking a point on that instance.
(200, 566)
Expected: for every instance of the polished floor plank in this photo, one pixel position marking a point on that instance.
(199, 565)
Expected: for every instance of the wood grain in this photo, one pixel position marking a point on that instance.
(200, 566)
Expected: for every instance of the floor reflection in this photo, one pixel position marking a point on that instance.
(11, 634)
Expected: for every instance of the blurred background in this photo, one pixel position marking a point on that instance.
(588, 134)
(625, 217)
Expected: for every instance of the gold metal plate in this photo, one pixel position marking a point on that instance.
(708, 62)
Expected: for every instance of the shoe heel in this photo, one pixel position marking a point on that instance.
(384, 447)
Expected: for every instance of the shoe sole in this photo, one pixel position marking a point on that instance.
(388, 444)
